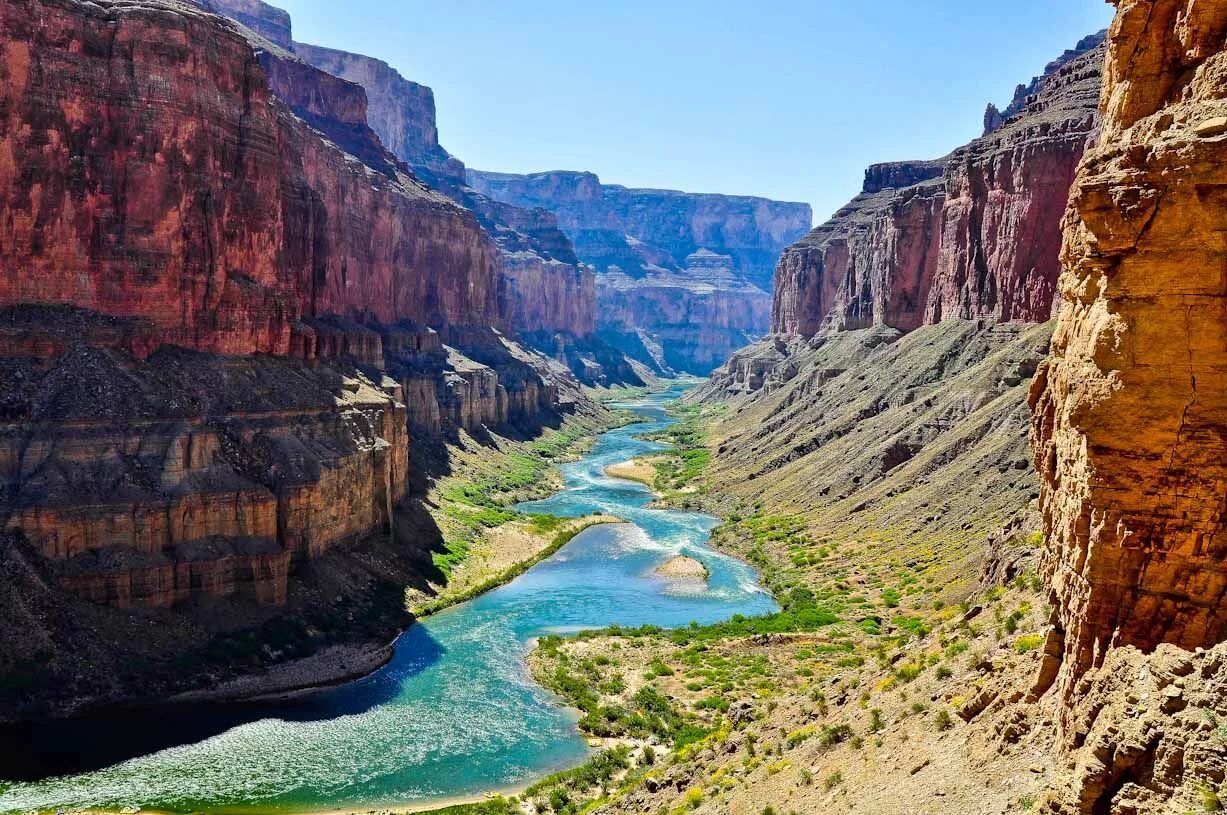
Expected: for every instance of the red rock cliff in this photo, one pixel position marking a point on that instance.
(972, 235)
(543, 287)
(1131, 413)
(180, 190)
(653, 250)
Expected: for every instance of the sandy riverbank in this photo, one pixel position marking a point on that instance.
(502, 554)
(683, 567)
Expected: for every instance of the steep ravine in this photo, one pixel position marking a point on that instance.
(963, 635)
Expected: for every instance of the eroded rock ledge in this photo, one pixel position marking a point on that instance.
(682, 278)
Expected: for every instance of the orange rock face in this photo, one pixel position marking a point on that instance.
(1131, 414)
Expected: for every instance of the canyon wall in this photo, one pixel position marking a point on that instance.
(890, 402)
(681, 272)
(972, 235)
(148, 483)
(205, 208)
(545, 291)
(225, 308)
(1131, 410)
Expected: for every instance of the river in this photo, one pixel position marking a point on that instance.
(455, 713)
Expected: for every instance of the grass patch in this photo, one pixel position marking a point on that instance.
(688, 457)
(561, 539)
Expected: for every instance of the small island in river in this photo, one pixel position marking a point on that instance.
(682, 566)
(637, 469)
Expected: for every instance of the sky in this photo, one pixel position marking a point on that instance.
(789, 99)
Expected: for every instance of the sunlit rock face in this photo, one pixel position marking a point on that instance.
(543, 288)
(1130, 414)
(682, 279)
(972, 235)
(546, 291)
(182, 191)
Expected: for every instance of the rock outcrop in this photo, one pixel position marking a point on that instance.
(544, 290)
(149, 483)
(706, 259)
(1131, 411)
(401, 112)
(608, 221)
(872, 264)
(968, 236)
(689, 321)
(1149, 735)
(185, 193)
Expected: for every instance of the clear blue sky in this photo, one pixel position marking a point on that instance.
(789, 99)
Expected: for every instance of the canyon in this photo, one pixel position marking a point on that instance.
(235, 332)
(681, 277)
(887, 419)
(891, 397)
(273, 362)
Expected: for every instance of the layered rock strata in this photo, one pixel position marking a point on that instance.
(149, 483)
(184, 192)
(968, 236)
(675, 271)
(543, 287)
(216, 293)
(1130, 413)
(607, 221)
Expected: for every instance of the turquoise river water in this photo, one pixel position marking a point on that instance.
(455, 713)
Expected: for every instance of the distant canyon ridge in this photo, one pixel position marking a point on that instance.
(682, 278)
(676, 281)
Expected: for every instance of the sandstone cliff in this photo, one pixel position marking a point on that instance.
(207, 208)
(707, 258)
(1130, 412)
(401, 112)
(972, 235)
(544, 289)
(545, 292)
(216, 297)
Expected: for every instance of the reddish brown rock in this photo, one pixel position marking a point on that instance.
(1131, 413)
(402, 112)
(151, 482)
(185, 193)
(543, 288)
(969, 236)
(872, 264)
(1005, 195)
(676, 271)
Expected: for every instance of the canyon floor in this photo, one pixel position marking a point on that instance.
(895, 523)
